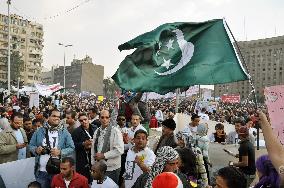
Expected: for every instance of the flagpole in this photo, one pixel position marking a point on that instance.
(177, 100)
(250, 82)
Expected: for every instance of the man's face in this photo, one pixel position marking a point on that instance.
(17, 122)
(171, 166)
(220, 182)
(249, 124)
(121, 120)
(66, 169)
(237, 126)
(84, 120)
(195, 122)
(69, 119)
(38, 124)
(135, 120)
(96, 173)
(166, 130)
(104, 118)
(28, 125)
(54, 118)
(92, 115)
(140, 141)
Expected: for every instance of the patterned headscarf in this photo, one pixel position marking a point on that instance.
(202, 129)
(187, 138)
(164, 154)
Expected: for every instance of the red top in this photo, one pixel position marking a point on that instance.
(78, 181)
(153, 122)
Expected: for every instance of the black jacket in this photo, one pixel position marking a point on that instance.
(83, 157)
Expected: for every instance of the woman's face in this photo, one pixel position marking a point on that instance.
(219, 131)
(181, 143)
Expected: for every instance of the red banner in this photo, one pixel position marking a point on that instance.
(231, 98)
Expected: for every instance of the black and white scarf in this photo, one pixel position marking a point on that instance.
(164, 154)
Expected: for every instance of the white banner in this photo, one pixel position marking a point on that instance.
(34, 99)
(45, 90)
(18, 173)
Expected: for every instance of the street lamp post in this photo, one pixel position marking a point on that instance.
(9, 56)
(64, 73)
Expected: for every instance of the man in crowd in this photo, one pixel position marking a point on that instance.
(108, 146)
(135, 125)
(99, 174)
(230, 177)
(121, 125)
(233, 137)
(4, 122)
(68, 177)
(71, 122)
(139, 158)
(203, 114)
(191, 128)
(246, 156)
(82, 138)
(13, 140)
(60, 145)
(167, 138)
(94, 117)
(28, 127)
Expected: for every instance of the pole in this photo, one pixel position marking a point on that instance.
(18, 93)
(177, 100)
(9, 56)
(250, 82)
(64, 81)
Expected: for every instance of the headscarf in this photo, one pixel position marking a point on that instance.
(202, 130)
(164, 154)
(269, 176)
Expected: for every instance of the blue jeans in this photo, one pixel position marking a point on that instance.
(44, 179)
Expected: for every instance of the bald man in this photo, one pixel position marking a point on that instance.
(108, 145)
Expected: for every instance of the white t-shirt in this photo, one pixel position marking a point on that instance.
(67, 182)
(132, 170)
(108, 183)
(53, 141)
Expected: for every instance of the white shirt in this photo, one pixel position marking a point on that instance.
(132, 170)
(108, 183)
(67, 182)
(132, 131)
(203, 116)
(53, 141)
(159, 115)
(20, 140)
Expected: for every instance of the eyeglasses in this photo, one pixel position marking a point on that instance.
(104, 117)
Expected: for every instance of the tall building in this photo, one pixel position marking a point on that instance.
(47, 76)
(26, 40)
(265, 63)
(82, 75)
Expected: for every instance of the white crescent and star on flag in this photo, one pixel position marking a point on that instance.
(187, 50)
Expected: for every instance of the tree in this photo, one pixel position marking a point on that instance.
(16, 64)
(109, 88)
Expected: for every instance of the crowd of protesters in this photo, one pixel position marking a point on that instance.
(82, 142)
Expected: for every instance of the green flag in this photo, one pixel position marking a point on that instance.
(177, 55)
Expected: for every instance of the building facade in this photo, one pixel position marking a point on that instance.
(26, 40)
(265, 63)
(82, 75)
(47, 77)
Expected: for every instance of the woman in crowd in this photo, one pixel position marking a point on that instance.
(188, 165)
(220, 135)
(268, 176)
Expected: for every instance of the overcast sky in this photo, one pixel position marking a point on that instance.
(97, 27)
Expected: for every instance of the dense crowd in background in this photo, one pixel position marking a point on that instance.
(104, 143)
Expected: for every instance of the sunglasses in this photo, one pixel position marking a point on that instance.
(104, 117)
(121, 119)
